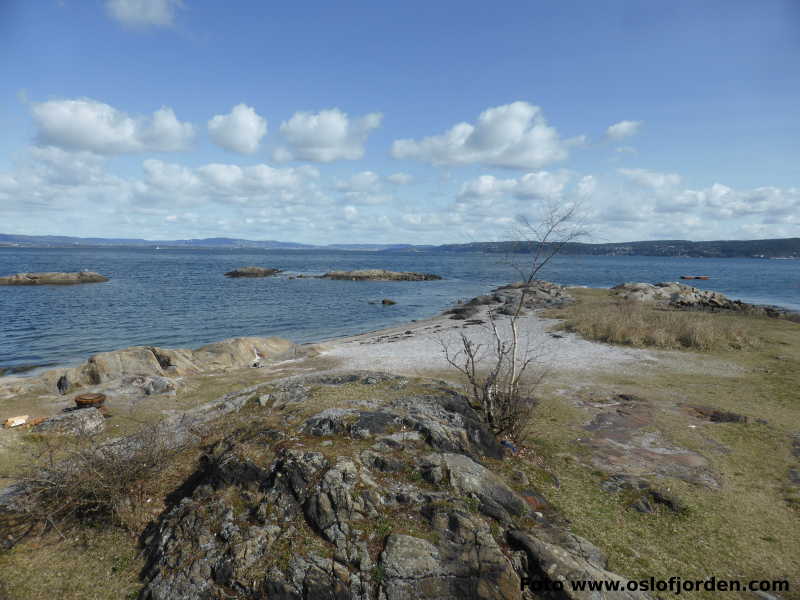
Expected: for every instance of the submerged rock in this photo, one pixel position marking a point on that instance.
(252, 272)
(54, 278)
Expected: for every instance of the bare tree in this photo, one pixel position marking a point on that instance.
(500, 379)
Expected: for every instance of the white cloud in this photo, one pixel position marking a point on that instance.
(86, 124)
(239, 131)
(587, 186)
(366, 181)
(542, 185)
(623, 129)
(652, 179)
(326, 136)
(400, 178)
(77, 194)
(365, 187)
(486, 185)
(143, 13)
(350, 212)
(514, 135)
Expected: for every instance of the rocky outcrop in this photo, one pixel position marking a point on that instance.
(379, 275)
(147, 367)
(505, 300)
(252, 272)
(679, 295)
(382, 497)
(53, 278)
(82, 422)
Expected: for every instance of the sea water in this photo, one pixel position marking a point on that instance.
(180, 297)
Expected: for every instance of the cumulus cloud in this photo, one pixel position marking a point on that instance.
(143, 13)
(326, 136)
(514, 135)
(93, 126)
(239, 131)
(651, 179)
(365, 187)
(542, 185)
(366, 181)
(400, 178)
(623, 129)
(587, 186)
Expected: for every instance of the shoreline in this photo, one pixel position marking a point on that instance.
(27, 372)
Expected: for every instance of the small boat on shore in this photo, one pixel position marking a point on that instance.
(695, 277)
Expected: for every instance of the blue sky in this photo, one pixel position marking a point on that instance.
(399, 122)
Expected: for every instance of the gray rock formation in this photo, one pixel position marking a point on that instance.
(679, 295)
(252, 272)
(53, 278)
(505, 300)
(379, 275)
(145, 367)
(407, 512)
(86, 421)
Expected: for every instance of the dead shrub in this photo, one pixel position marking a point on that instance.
(499, 380)
(84, 481)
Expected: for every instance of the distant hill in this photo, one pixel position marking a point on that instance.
(776, 248)
(217, 242)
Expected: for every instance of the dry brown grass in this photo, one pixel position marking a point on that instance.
(640, 324)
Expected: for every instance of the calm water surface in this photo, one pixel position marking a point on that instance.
(179, 298)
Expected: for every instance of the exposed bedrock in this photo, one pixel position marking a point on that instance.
(154, 370)
(252, 272)
(379, 275)
(53, 278)
(385, 496)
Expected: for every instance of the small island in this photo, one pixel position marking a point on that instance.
(53, 278)
(252, 272)
(379, 275)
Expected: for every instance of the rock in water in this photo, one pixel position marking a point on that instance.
(379, 275)
(252, 272)
(53, 278)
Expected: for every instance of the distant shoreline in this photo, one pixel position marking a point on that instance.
(779, 248)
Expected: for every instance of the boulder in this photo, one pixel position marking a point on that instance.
(86, 421)
(252, 272)
(53, 278)
(379, 275)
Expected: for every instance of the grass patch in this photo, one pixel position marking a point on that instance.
(597, 315)
(88, 564)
